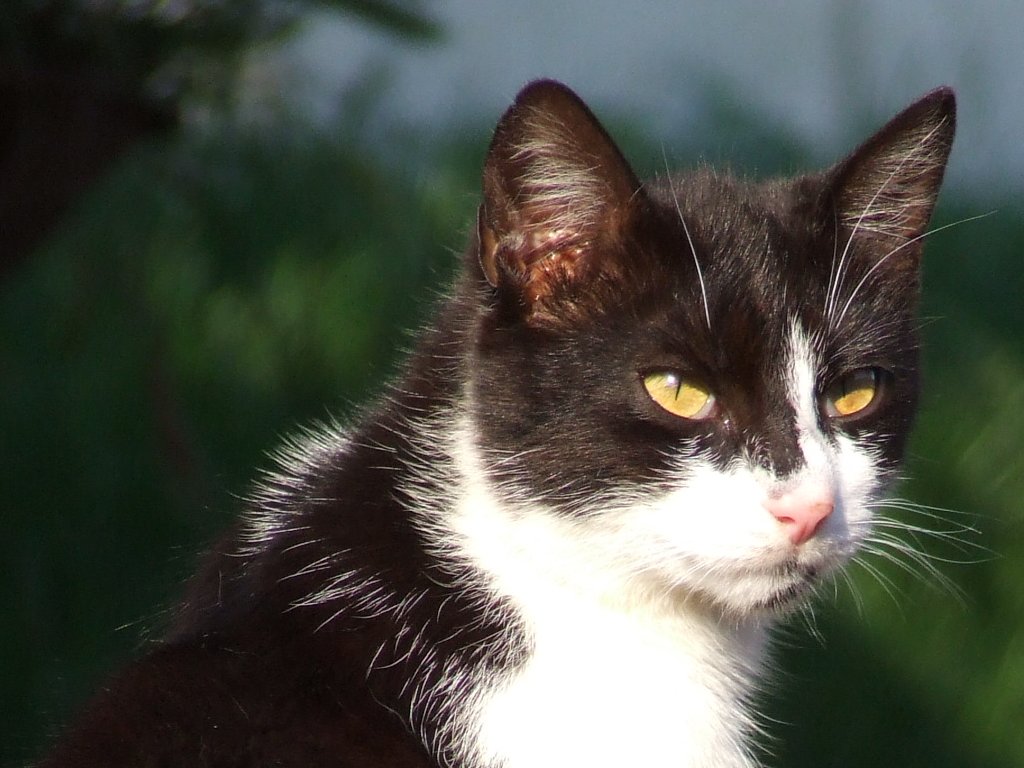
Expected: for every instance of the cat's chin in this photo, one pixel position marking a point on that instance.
(770, 594)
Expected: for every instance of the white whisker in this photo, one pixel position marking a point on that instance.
(887, 584)
(833, 295)
(905, 557)
(689, 240)
(896, 250)
(858, 601)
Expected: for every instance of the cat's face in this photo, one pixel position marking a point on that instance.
(700, 386)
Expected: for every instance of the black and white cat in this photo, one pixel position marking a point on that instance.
(651, 418)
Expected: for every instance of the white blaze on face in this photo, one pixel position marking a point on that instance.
(851, 468)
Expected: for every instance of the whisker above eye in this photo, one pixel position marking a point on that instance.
(689, 241)
(894, 251)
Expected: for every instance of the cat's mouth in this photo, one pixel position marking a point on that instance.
(787, 599)
(772, 591)
(796, 585)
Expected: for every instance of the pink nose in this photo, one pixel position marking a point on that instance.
(801, 514)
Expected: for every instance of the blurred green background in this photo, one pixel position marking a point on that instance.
(220, 278)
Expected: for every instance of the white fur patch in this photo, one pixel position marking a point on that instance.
(848, 468)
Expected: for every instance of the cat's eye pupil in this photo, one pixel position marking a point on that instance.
(852, 393)
(679, 395)
(673, 382)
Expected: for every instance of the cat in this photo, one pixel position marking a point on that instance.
(650, 419)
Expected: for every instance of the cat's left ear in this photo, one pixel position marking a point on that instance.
(557, 196)
(886, 189)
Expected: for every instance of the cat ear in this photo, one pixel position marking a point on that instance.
(557, 194)
(887, 188)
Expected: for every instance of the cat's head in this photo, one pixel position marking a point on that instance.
(699, 385)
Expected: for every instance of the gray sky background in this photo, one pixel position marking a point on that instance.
(822, 72)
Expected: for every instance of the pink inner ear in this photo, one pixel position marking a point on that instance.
(554, 257)
(541, 260)
(546, 236)
(553, 268)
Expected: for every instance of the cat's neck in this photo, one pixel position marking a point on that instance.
(617, 672)
(602, 689)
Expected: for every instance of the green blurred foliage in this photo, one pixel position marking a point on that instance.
(211, 294)
(218, 290)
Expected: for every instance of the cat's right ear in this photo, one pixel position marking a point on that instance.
(557, 197)
(886, 189)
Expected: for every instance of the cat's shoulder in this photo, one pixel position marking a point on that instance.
(188, 705)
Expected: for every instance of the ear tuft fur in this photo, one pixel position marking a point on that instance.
(887, 188)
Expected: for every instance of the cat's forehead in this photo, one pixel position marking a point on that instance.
(712, 195)
(752, 223)
(747, 253)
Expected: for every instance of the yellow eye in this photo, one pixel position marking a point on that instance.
(678, 396)
(852, 393)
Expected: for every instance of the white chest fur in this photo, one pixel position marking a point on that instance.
(606, 688)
